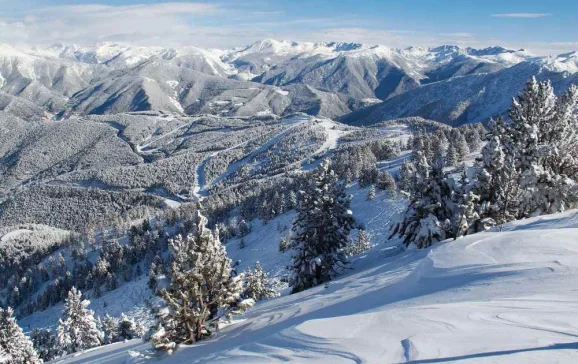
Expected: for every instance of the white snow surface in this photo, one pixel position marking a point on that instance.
(500, 296)
(13, 234)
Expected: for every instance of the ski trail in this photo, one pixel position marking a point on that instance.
(140, 147)
(200, 188)
(333, 136)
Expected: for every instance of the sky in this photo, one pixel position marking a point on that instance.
(544, 27)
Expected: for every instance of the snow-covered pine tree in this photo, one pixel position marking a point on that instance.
(18, 347)
(386, 182)
(542, 128)
(77, 328)
(257, 284)
(320, 230)
(451, 156)
(110, 329)
(45, 344)
(406, 174)
(126, 328)
(459, 142)
(461, 206)
(292, 199)
(371, 193)
(441, 139)
(530, 165)
(474, 139)
(497, 180)
(424, 221)
(201, 289)
(361, 244)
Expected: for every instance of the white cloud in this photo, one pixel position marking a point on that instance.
(87, 24)
(205, 24)
(522, 15)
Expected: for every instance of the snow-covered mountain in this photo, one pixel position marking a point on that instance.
(327, 79)
(468, 98)
(108, 152)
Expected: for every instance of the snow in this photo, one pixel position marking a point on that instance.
(333, 135)
(130, 299)
(171, 203)
(567, 62)
(13, 234)
(176, 104)
(173, 83)
(494, 296)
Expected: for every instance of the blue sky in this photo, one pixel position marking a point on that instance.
(543, 27)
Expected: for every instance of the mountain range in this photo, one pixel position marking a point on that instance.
(358, 83)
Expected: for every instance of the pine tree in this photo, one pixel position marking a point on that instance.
(361, 244)
(45, 344)
(126, 328)
(386, 182)
(459, 142)
(441, 139)
(257, 284)
(110, 329)
(423, 222)
(406, 173)
(284, 244)
(320, 230)
(153, 282)
(17, 347)
(201, 289)
(451, 156)
(543, 133)
(498, 185)
(530, 165)
(77, 328)
(371, 193)
(474, 140)
(292, 199)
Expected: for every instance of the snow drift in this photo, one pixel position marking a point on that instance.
(506, 295)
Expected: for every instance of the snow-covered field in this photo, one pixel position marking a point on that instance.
(501, 296)
(13, 234)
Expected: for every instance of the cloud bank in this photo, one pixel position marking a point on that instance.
(211, 25)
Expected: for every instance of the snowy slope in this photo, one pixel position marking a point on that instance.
(491, 297)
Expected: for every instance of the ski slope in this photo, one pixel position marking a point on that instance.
(509, 296)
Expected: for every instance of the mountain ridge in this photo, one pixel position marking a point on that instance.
(267, 76)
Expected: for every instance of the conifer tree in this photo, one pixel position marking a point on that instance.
(257, 284)
(320, 230)
(126, 328)
(201, 289)
(77, 328)
(386, 182)
(458, 141)
(361, 244)
(406, 174)
(451, 156)
(371, 193)
(17, 347)
(530, 165)
(110, 329)
(423, 222)
(45, 344)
